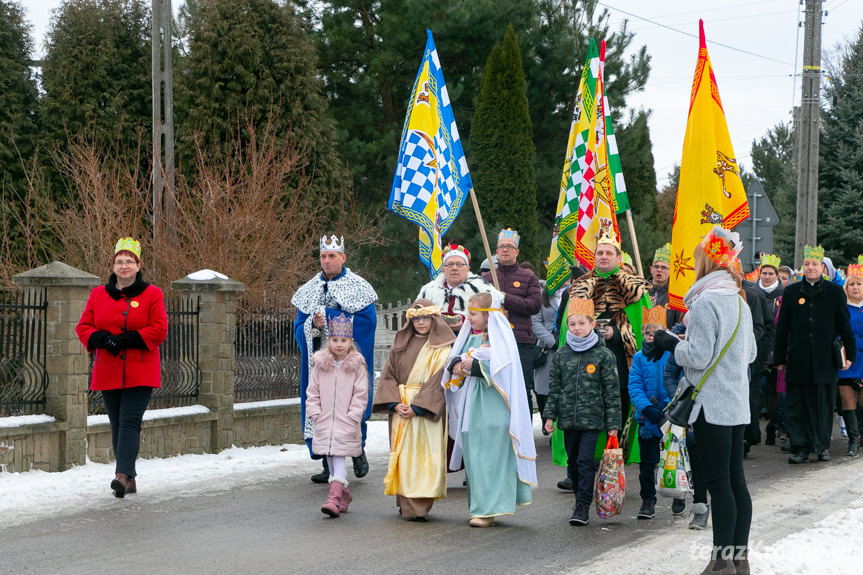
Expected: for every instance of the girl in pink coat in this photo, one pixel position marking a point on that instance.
(335, 402)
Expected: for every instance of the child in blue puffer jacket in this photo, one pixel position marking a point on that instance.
(649, 398)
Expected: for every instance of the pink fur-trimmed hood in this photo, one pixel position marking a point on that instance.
(325, 361)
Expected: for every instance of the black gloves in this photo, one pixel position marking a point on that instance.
(117, 343)
(652, 414)
(97, 340)
(662, 342)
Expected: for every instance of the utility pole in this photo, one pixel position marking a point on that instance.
(809, 127)
(164, 199)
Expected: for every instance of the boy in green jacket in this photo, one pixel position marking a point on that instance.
(584, 398)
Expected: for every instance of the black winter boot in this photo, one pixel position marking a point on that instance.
(853, 432)
(361, 465)
(770, 434)
(323, 476)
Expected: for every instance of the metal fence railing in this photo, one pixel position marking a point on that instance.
(267, 359)
(23, 377)
(181, 375)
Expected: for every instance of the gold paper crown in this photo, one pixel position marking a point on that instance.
(580, 306)
(625, 258)
(771, 260)
(129, 245)
(608, 236)
(860, 259)
(663, 254)
(855, 270)
(341, 326)
(508, 234)
(813, 253)
(655, 314)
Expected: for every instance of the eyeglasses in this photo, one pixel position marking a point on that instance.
(455, 265)
(121, 263)
(649, 335)
(506, 247)
(663, 268)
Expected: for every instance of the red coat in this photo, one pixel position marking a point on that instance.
(146, 315)
(336, 400)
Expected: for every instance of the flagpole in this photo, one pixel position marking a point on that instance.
(634, 242)
(484, 239)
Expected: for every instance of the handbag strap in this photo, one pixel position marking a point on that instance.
(722, 353)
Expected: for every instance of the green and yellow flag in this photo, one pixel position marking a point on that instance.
(710, 190)
(580, 145)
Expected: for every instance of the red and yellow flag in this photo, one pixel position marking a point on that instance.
(710, 190)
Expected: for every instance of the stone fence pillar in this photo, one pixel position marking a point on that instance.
(66, 359)
(216, 353)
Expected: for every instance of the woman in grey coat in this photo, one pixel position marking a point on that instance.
(719, 315)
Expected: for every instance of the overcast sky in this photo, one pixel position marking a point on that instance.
(753, 47)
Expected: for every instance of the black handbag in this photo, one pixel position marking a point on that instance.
(680, 407)
(540, 356)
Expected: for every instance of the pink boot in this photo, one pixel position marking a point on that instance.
(345, 500)
(331, 507)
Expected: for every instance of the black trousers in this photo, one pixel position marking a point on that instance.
(648, 448)
(580, 448)
(525, 356)
(126, 409)
(698, 487)
(752, 433)
(809, 416)
(720, 451)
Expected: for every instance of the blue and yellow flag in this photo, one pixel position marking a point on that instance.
(432, 179)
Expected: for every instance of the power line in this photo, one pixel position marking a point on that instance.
(723, 8)
(732, 18)
(694, 36)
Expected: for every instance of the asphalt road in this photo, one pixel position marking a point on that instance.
(274, 524)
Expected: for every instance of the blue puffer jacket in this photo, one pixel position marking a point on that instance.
(646, 384)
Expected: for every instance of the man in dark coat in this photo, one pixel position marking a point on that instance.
(813, 312)
(522, 299)
(771, 287)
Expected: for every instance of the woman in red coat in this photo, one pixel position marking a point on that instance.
(123, 324)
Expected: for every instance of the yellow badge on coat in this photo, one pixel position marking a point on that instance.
(801, 301)
(516, 284)
(135, 304)
(590, 368)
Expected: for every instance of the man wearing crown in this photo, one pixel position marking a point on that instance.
(813, 311)
(618, 298)
(335, 290)
(522, 299)
(454, 285)
(659, 274)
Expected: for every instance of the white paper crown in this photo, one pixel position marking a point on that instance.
(333, 245)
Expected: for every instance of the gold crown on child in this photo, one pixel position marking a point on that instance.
(580, 306)
(341, 326)
(655, 314)
(333, 244)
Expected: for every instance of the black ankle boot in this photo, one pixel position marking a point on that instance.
(770, 434)
(323, 476)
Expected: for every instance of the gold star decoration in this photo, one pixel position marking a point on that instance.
(682, 265)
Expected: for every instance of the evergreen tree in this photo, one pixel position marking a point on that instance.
(774, 165)
(250, 62)
(502, 146)
(18, 96)
(840, 201)
(96, 75)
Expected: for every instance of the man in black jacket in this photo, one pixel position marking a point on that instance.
(813, 311)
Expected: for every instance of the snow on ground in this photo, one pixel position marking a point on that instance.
(800, 525)
(36, 495)
(20, 420)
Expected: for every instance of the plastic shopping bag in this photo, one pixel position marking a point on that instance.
(674, 472)
(611, 481)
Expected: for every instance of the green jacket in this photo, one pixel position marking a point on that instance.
(584, 391)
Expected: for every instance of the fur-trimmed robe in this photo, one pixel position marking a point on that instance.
(439, 294)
